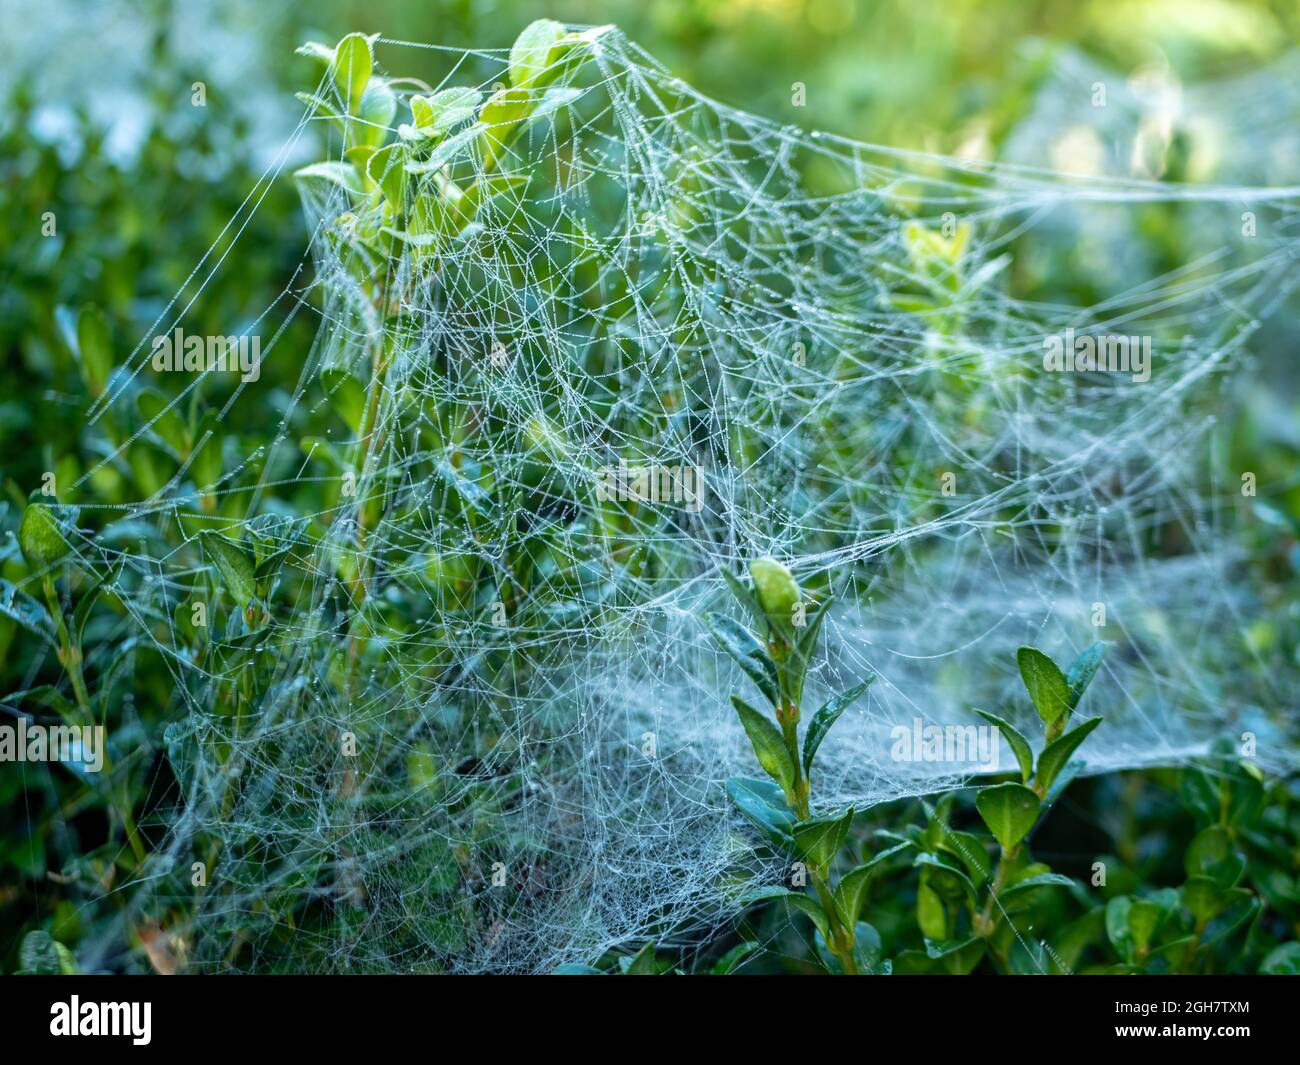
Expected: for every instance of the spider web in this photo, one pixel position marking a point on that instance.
(846, 340)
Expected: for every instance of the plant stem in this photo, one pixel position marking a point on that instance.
(984, 924)
(841, 944)
(70, 658)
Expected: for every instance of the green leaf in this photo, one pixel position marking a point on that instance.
(208, 462)
(321, 107)
(948, 882)
(767, 743)
(1283, 960)
(1241, 906)
(483, 192)
(810, 907)
(825, 718)
(1010, 811)
(88, 598)
(26, 612)
(49, 696)
(163, 419)
(1016, 741)
(234, 564)
(1145, 919)
(387, 169)
(968, 849)
(1058, 752)
(1032, 884)
(865, 870)
(1082, 670)
(763, 805)
(795, 898)
(346, 394)
(374, 114)
(552, 100)
(1062, 781)
(435, 115)
(39, 537)
(350, 70)
(851, 891)
(1046, 685)
(42, 955)
(445, 151)
(744, 595)
(534, 51)
(643, 962)
(315, 50)
(1203, 898)
(1117, 926)
(342, 175)
(957, 959)
(777, 592)
(931, 913)
(806, 641)
(735, 957)
(95, 345)
(868, 950)
(748, 652)
(501, 113)
(1211, 853)
(819, 838)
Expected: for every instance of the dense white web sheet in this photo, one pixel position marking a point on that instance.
(683, 283)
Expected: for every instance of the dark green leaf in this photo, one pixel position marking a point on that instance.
(26, 612)
(768, 745)
(643, 962)
(957, 959)
(1046, 685)
(1211, 853)
(1010, 811)
(1032, 884)
(1203, 898)
(948, 882)
(39, 537)
(826, 717)
(748, 652)
(735, 957)
(1017, 742)
(1117, 926)
(163, 419)
(764, 805)
(820, 838)
(1082, 670)
(744, 595)
(1283, 960)
(234, 564)
(1057, 753)
(95, 345)
(970, 850)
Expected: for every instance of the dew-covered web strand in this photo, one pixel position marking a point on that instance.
(649, 287)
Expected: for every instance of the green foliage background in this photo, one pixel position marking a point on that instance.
(936, 75)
